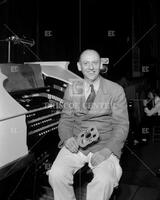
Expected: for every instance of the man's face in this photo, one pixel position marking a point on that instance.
(90, 65)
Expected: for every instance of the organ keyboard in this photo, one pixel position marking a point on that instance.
(30, 107)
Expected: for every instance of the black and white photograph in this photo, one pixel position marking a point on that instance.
(79, 100)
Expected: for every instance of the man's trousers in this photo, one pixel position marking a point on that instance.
(106, 175)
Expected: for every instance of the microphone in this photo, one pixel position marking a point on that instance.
(18, 40)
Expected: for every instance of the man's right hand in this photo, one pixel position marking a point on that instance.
(72, 145)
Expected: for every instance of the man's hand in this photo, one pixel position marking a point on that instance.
(100, 156)
(71, 145)
(147, 111)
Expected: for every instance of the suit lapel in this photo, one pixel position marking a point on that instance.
(80, 109)
(99, 102)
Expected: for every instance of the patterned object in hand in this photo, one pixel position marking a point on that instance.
(88, 136)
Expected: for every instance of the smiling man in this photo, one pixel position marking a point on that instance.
(99, 110)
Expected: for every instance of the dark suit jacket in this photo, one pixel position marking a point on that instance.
(108, 113)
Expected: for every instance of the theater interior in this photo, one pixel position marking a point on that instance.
(39, 47)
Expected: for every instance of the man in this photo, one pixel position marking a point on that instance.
(107, 115)
(154, 100)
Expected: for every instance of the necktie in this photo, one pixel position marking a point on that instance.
(90, 98)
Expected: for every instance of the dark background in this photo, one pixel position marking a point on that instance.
(79, 24)
(62, 29)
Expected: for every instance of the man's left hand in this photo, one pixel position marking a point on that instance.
(147, 111)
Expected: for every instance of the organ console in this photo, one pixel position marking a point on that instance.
(31, 100)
